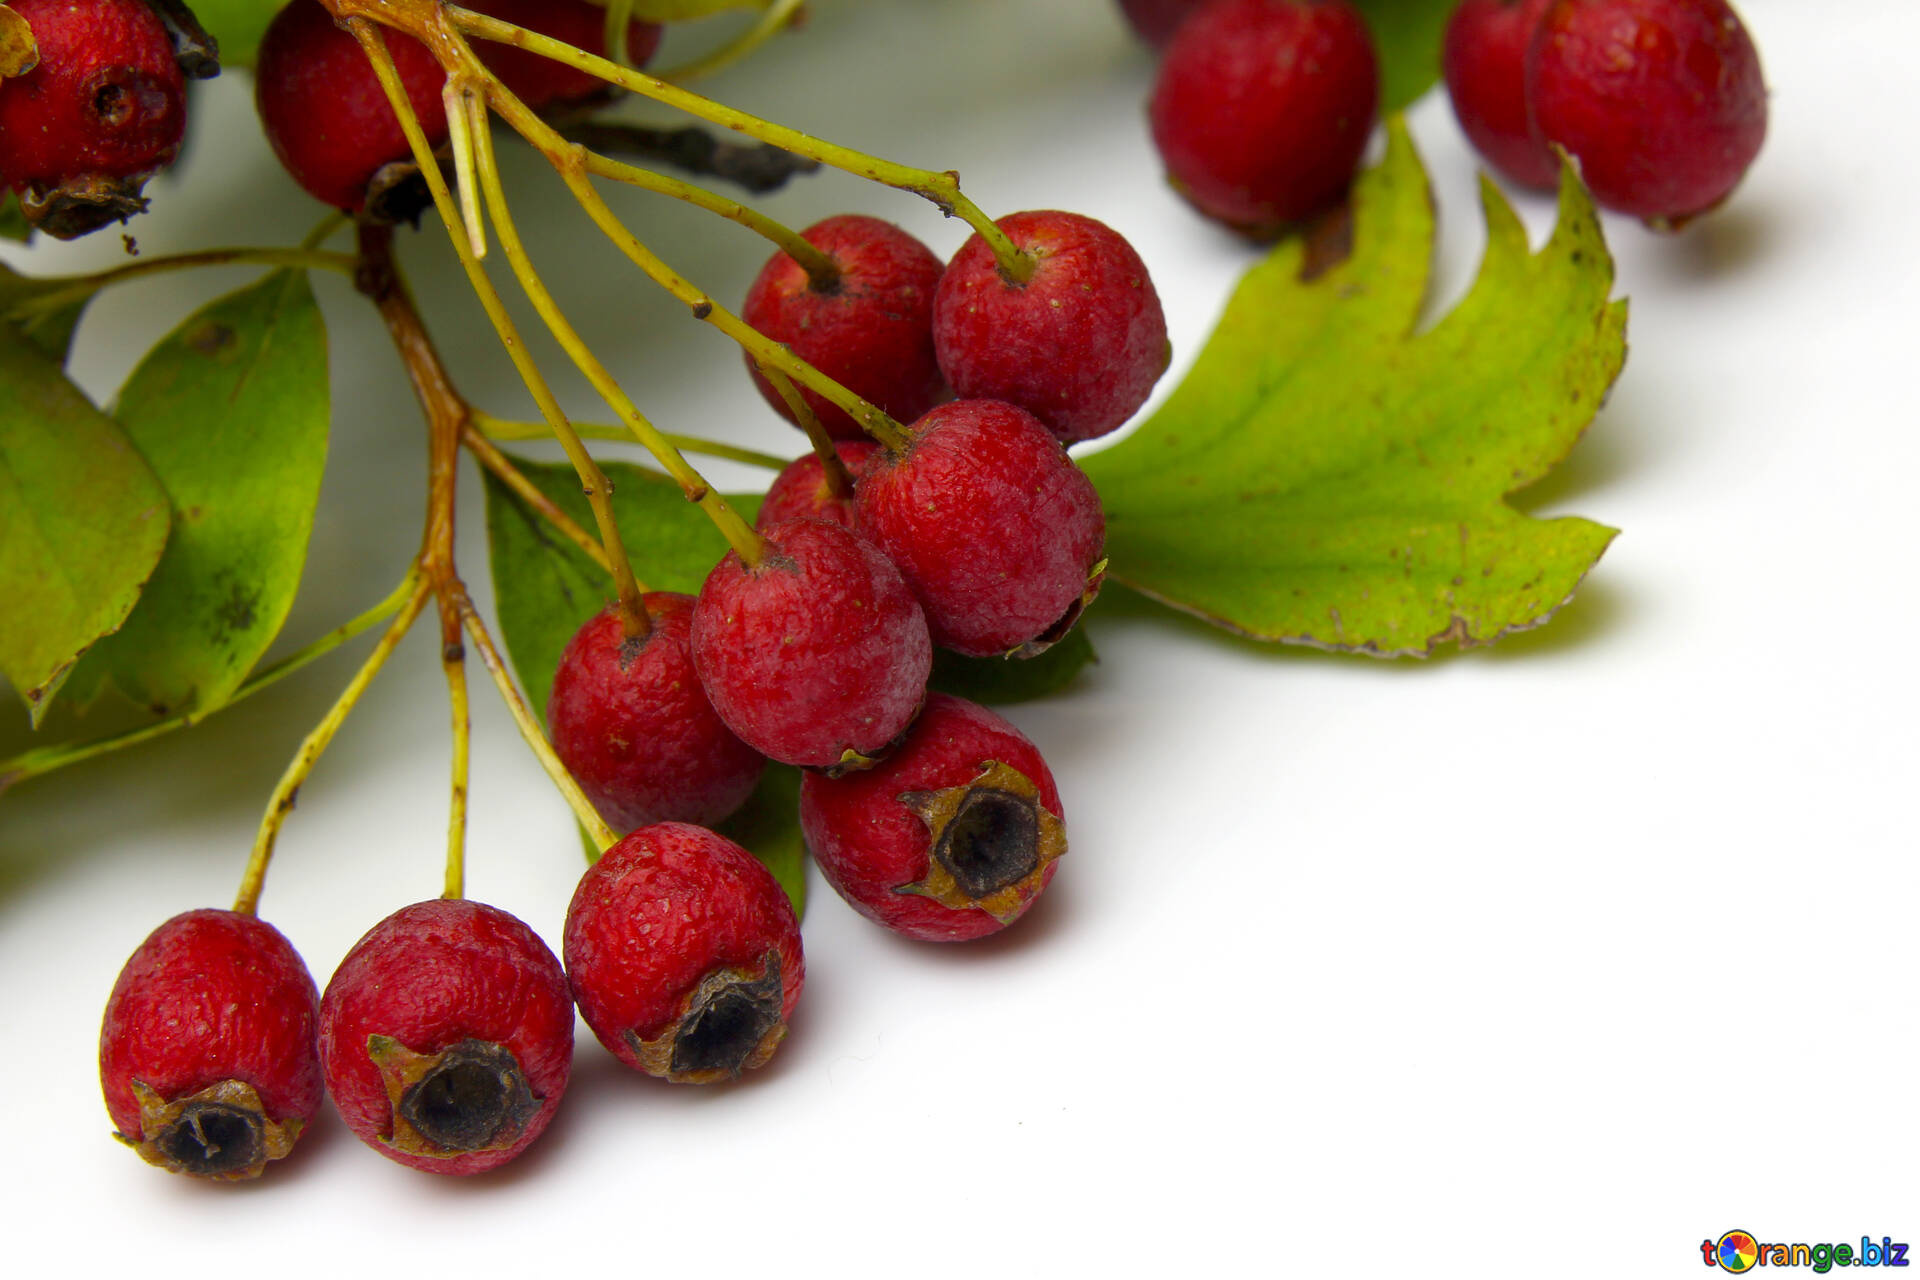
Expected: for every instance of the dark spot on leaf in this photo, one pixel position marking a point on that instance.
(236, 611)
(211, 338)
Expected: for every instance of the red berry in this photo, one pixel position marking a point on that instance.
(629, 720)
(994, 528)
(207, 1054)
(1079, 345)
(801, 492)
(541, 82)
(446, 1036)
(1661, 101)
(1263, 107)
(684, 954)
(1157, 20)
(951, 837)
(816, 656)
(1484, 60)
(103, 109)
(323, 108)
(871, 330)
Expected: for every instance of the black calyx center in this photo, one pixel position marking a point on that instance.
(475, 1097)
(212, 1138)
(724, 1029)
(112, 104)
(992, 841)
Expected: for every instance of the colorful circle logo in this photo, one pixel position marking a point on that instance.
(1737, 1252)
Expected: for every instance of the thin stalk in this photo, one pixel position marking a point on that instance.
(77, 288)
(502, 467)
(280, 803)
(31, 764)
(832, 469)
(509, 429)
(453, 660)
(457, 102)
(777, 16)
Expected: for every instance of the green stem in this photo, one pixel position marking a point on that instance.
(31, 764)
(70, 289)
(777, 16)
(839, 480)
(506, 429)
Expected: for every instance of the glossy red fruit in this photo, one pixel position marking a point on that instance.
(1079, 345)
(446, 1036)
(323, 108)
(542, 82)
(207, 1054)
(1262, 109)
(103, 110)
(1483, 59)
(952, 837)
(1156, 20)
(871, 330)
(818, 655)
(801, 492)
(994, 528)
(684, 954)
(1661, 101)
(630, 721)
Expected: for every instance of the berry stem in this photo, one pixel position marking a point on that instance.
(55, 292)
(942, 188)
(778, 15)
(453, 660)
(838, 479)
(280, 803)
(31, 764)
(503, 469)
(508, 429)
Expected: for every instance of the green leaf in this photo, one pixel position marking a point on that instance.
(544, 587)
(237, 25)
(1013, 679)
(1407, 35)
(231, 411)
(1328, 476)
(50, 330)
(13, 223)
(82, 522)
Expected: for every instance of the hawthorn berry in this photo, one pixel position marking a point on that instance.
(1079, 344)
(102, 111)
(817, 655)
(1483, 59)
(1262, 109)
(1155, 21)
(870, 328)
(207, 1054)
(684, 954)
(446, 1036)
(541, 82)
(629, 719)
(951, 837)
(327, 117)
(993, 526)
(1661, 101)
(801, 490)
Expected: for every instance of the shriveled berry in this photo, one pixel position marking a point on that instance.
(801, 491)
(1661, 101)
(994, 527)
(952, 837)
(630, 721)
(103, 110)
(325, 113)
(207, 1053)
(1155, 21)
(1078, 345)
(869, 329)
(446, 1036)
(1483, 58)
(816, 656)
(542, 82)
(1262, 109)
(684, 954)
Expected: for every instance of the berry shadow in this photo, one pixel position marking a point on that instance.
(1721, 246)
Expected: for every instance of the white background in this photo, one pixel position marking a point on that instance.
(1554, 958)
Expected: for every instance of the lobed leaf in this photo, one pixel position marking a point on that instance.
(231, 411)
(1328, 476)
(83, 521)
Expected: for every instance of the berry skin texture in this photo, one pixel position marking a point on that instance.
(819, 655)
(633, 726)
(800, 491)
(323, 109)
(1079, 345)
(207, 1055)
(952, 837)
(446, 1036)
(1483, 59)
(684, 955)
(1661, 101)
(541, 82)
(1262, 109)
(871, 330)
(102, 111)
(1155, 21)
(993, 526)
